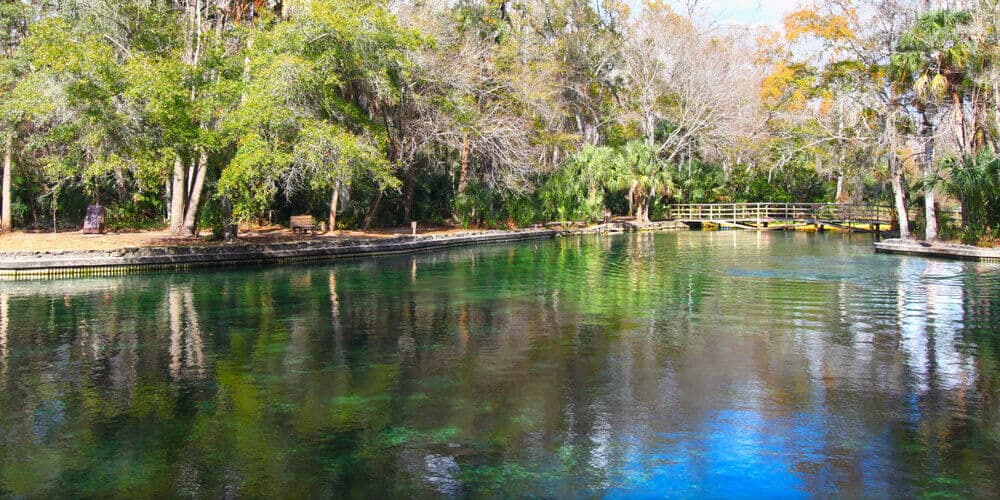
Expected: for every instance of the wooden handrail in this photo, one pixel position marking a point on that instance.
(831, 212)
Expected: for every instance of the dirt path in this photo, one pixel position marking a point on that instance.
(76, 240)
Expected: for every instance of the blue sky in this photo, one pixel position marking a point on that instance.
(768, 12)
(752, 11)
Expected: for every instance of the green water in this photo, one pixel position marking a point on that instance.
(684, 364)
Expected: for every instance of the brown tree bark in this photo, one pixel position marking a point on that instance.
(631, 198)
(194, 198)
(371, 211)
(177, 199)
(229, 228)
(409, 190)
(463, 174)
(930, 213)
(334, 200)
(6, 222)
(899, 197)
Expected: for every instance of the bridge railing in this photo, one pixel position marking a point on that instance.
(766, 212)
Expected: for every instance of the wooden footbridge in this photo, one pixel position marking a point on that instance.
(785, 216)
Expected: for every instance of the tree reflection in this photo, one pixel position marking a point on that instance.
(678, 365)
(4, 324)
(186, 347)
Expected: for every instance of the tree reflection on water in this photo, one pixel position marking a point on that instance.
(701, 364)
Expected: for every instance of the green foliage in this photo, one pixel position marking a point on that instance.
(789, 184)
(141, 212)
(975, 182)
(700, 182)
(249, 180)
(288, 102)
(576, 190)
(932, 55)
(637, 162)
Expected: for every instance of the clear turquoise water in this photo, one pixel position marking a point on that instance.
(682, 364)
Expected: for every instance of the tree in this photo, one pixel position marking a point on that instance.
(644, 174)
(316, 88)
(327, 157)
(576, 190)
(14, 18)
(673, 68)
(854, 41)
(931, 63)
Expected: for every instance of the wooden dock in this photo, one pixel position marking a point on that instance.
(785, 216)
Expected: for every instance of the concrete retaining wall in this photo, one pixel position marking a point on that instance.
(126, 260)
(942, 250)
(26, 265)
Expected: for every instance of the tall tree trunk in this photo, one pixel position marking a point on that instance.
(334, 200)
(409, 190)
(996, 112)
(649, 122)
(631, 198)
(840, 188)
(649, 203)
(229, 229)
(927, 131)
(956, 99)
(6, 223)
(194, 200)
(371, 212)
(177, 198)
(168, 190)
(463, 174)
(899, 196)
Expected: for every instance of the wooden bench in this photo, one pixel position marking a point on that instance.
(303, 223)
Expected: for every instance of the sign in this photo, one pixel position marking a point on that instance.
(93, 222)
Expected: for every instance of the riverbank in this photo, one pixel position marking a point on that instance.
(35, 241)
(941, 250)
(120, 254)
(27, 264)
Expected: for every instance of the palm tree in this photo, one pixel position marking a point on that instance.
(644, 174)
(931, 64)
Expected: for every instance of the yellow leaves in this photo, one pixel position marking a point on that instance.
(871, 118)
(810, 22)
(774, 84)
(769, 48)
(656, 6)
(920, 85)
(826, 104)
(927, 85)
(661, 13)
(939, 85)
(784, 87)
(878, 74)
(768, 38)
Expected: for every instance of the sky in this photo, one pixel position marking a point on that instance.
(755, 12)
(769, 12)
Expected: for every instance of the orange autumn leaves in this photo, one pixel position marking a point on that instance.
(791, 85)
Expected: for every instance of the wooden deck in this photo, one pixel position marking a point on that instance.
(784, 216)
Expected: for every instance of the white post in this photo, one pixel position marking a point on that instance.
(413, 226)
